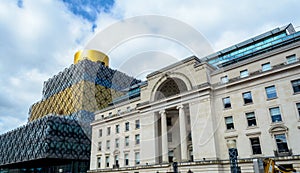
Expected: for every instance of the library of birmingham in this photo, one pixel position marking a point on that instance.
(97, 119)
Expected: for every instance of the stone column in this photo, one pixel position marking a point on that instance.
(183, 133)
(164, 136)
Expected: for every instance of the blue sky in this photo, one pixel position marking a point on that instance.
(38, 38)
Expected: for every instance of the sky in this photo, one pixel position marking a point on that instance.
(38, 38)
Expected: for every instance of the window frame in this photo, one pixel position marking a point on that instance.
(268, 90)
(266, 67)
(244, 73)
(298, 109)
(224, 79)
(117, 128)
(100, 133)
(126, 140)
(286, 143)
(117, 142)
(280, 114)
(98, 161)
(251, 119)
(137, 139)
(137, 124)
(245, 98)
(126, 159)
(296, 88)
(107, 144)
(108, 131)
(99, 146)
(228, 104)
(137, 158)
(257, 146)
(291, 59)
(227, 124)
(127, 126)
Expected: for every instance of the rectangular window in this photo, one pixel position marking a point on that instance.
(109, 114)
(296, 85)
(127, 126)
(128, 109)
(117, 160)
(117, 128)
(271, 92)
(170, 137)
(255, 144)
(169, 121)
(251, 119)
(229, 123)
(226, 102)
(108, 144)
(275, 114)
(99, 146)
(119, 111)
(137, 124)
(298, 108)
(127, 141)
(107, 161)
(117, 142)
(100, 133)
(137, 158)
(224, 79)
(99, 162)
(281, 143)
(126, 159)
(244, 73)
(137, 139)
(291, 59)
(108, 131)
(266, 67)
(247, 98)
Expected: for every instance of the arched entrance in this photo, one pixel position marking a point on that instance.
(170, 87)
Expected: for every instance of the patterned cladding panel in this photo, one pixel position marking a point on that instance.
(48, 137)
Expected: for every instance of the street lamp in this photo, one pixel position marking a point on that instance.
(233, 153)
(175, 165)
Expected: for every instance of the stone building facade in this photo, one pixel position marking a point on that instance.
(186, 112)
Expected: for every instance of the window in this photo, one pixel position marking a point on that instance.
(108, 144)
(117, 128)
(117, 160)
(169, 134)
(126, 160)
(99, 162)
(127, 126)
(99, 146)
(251, 119)
(119, 112)
(169, 121)
(229, 123)
(137, 139)
(271, 92)
(109, 114)
(275, 114)
(137, 158)
(137, 124)
(127, 141)
(281, 143)
(117, 142)
(108, 131)
(190, 136)
(128, 109)
(298, 107)
(255, 144)
(100, 133)
(296, 85)
(266, 67)
(244, 73)
(226, 102)
(171, 156)
(224, 79)
(107, 161)
(291, 59)
(247, 97)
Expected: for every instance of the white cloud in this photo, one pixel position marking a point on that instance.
(37, 41)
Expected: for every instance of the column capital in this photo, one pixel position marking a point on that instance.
(162, 111)
(180, 107)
